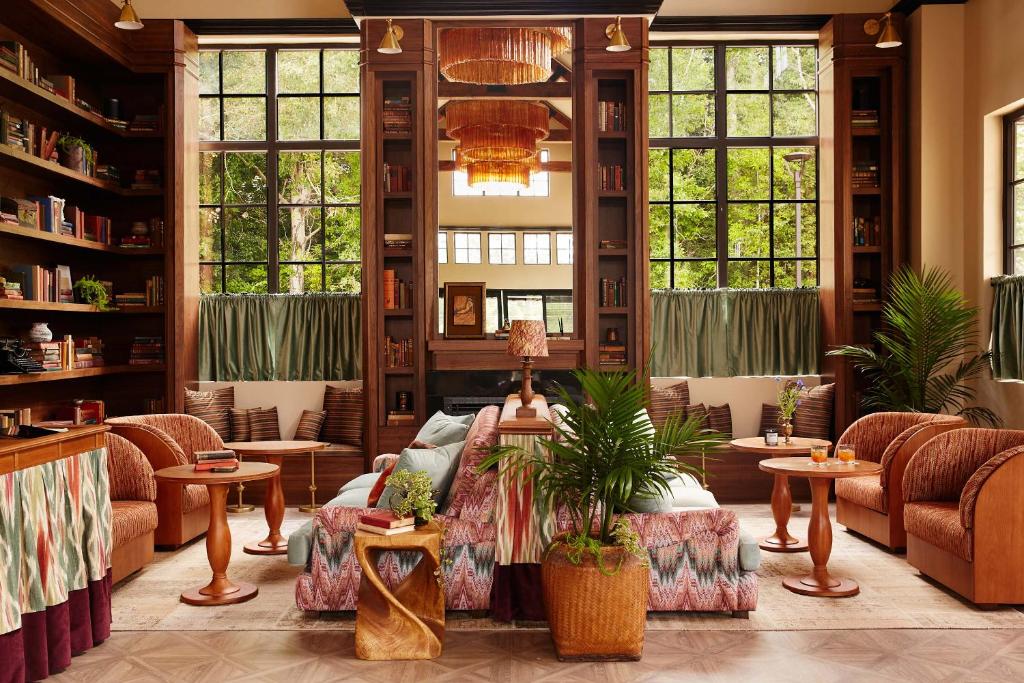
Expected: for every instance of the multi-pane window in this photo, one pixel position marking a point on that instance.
(279, 170)
(467, 247)
(501, 247)
(442, 247)
(536, 248)
(563, 248)
(733, 166)
(553, 306)
(1014, 218)
(540, 184)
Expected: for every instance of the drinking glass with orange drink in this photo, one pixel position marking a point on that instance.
(846, 454)
(819, 455)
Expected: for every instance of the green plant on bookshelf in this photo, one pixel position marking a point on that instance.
(89, 290)
(75, 153)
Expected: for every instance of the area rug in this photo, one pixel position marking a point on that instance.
(893, 595)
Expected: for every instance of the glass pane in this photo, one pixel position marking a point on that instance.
(299, 230)
(209, 279)
(297, 278)
(749, 176)
(795, 114)
(748, 230)
(791, 274)
(1019, 152)
(749, 274)
(693, 68)
(657, 175)
(1018, 214)
(245, 118)
(341, 71)
(298, 177)
(209, 72)
(695, 230)
(209, 118)
(657, 74)
(746, 68)
(209, 177)
(298, 118)
(298, 71)
(525, 307)
(658, 120)
(795, 67)
(693, 173)
(245, 178)
(696, 275)
(245, 234)
(1018, 261)
(245, 72)
(748, 116)
(246, 279)
(795, 166)
(693, 116)
(209, 234)
(341, 177)
(345, 277)
(341, 118)
(343, 234)
(559, 313)
(659, 275)
(658, 226)
(789, 241)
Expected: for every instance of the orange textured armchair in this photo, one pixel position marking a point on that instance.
(133, 517)
(873, 506)
(169, 440)
(965, 513)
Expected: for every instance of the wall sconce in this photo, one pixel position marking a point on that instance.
(129, 19)
(886, 32)
(616, 37)
(389, 44)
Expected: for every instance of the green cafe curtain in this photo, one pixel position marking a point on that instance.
(251, 337)
(729, 332)
(1008, 327)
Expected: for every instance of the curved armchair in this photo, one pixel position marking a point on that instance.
(169, 440)
(873, 506)
(133, 510)
(965, 514)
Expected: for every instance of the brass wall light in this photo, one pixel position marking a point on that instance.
(129, 19)
(887, 34)
(616, 37)
(389, 44)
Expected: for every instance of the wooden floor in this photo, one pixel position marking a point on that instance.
(498, 656)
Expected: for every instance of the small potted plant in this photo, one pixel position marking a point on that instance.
(789, 400)
(74, 153)
(89, 290)
(412, 494)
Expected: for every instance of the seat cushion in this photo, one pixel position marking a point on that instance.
(194, 496)
(299, 544)
(310, 424)
(264, 424)
(130, 519)
(363, 481)
(750, 552)
(939, 524)
(864, 491)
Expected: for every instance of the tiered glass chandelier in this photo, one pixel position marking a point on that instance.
(501, 55)
(497, 139)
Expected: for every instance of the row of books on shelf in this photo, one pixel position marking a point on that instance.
(217, 462)
(397, 178)
(397, 292)
(867, 232)
(40, 141)
(612, 244)
(146, 351)
(38, 283)
(397, 117)
(864, 118)
(153, 296)
(613, 292)
(611, 177)
(55, 215)
(865, 174)
(611, 115)
(68, 354)
(79, 411)
(611, 354)
(398, 353)
(398, 240)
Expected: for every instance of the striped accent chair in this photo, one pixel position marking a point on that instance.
(168, 440)
(133, 508)
(965, 513)
(873, 506)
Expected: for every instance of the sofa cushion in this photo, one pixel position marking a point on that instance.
(481, 438)
(813, 417)
(345, 413)
(378, 486)
(353, 498)
(212, 408)
(668, 401)
(241, 426)
(439, 463)
(130, 519)
(264, 425)
(363, 481)
(443, 430)
(750, 552)
(310, 424)
(300, 544)
(698, 411)
(864, 491)
(720, 419)
(939, 524)
(769, 418)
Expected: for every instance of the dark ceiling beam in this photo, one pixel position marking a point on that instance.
(529, 91)
(557, 114)
(244, 27)
(785, 22)
(907, 6)
(499, 8)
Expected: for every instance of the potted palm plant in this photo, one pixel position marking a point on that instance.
(605, 455)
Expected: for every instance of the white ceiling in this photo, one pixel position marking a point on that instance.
(697, 8)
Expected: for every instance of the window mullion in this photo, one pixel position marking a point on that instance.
(721, 170)
(273, 246)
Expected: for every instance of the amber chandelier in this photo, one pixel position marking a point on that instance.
(501, 55)
(497, 139)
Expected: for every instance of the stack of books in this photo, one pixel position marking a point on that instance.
(401, 417)
(397, 115)
(47, 354)
(9, 289)
(611, 177)
(146, 351)
(397, 178)
(108, 172)
(864, 118)
(216, 461)
(145, 123)
(865, 174)
(612, 354)
(386, 523)
(89, 352)
(397, 292)
(398, 240)
(612, 244)
(398, 353)
(611, 115)
(146, 179)
(613, 292)
(83, 412)
(867, 232)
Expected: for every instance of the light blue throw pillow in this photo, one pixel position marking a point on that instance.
(442, 430)
(439, 463)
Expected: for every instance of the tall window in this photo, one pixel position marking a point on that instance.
(501, 247)
(536, 248)
(442, 247)
(467, 247)
(279, 170)
(1014, 218)
(733, 166)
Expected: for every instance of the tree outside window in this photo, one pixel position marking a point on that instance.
(1014, 215)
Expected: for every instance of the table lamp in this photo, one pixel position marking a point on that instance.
(527, 339)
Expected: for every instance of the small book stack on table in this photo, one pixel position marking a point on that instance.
(216, 461)
(386, 523)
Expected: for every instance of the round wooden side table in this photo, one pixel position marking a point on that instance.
(819, 532)
(275, 453)
(221, 590)
(782, 498)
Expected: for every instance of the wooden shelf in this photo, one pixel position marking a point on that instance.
(866, 307)
(33, 378)
(867, 249)
(613, 193)
(26, 305)
(613, 134)
(398, 312)
(450, 345)
(613, 310)
(613, 252)
(867, 191)
(391, 252)
(614, 368)
(866, 132)
(41, 235)
(399, 371)
(9, 154)
(398, 136)
(398, 195)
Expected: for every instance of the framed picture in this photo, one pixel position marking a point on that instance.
(464, 310)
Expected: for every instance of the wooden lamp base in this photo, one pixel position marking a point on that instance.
(526, 394)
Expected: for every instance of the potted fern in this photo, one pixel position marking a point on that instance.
(605, 455)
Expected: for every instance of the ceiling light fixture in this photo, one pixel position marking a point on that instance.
(389, 44)
(616, 37)
(129, 19)
(498, 55)
(497, 139)
(887, 34)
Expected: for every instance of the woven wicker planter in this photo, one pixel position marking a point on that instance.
(594, 617)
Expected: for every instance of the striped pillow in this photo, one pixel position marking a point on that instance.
(241, 426)
(345, 411)
(700, 411)
(309, 425)
(668, 401)
(212, 408)
(264, 425)
(769, 418)
(720, 419)
(813, 417)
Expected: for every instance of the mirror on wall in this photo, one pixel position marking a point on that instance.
(505, 185)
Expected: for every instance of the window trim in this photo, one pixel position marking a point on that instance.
(442, 245)
(571, 248)
(479, 248)
(537, 233)
(1010, 183)
(501, 248)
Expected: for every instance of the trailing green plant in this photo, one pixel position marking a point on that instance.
(926, 352)
(413, 494)
(68, 142)
(89, 290)
(604, 453)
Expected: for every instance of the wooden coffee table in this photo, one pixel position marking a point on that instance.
(221, 590)
(407, 622)
(782, 498)
(819, 532)
(273, 501)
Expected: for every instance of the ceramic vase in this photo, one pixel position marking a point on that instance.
(40, 333)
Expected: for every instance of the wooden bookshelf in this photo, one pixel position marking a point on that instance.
(81, 373)
(28, 305)
(67, 241)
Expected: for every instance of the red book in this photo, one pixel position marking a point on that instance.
(386, 519)
(208, 465)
